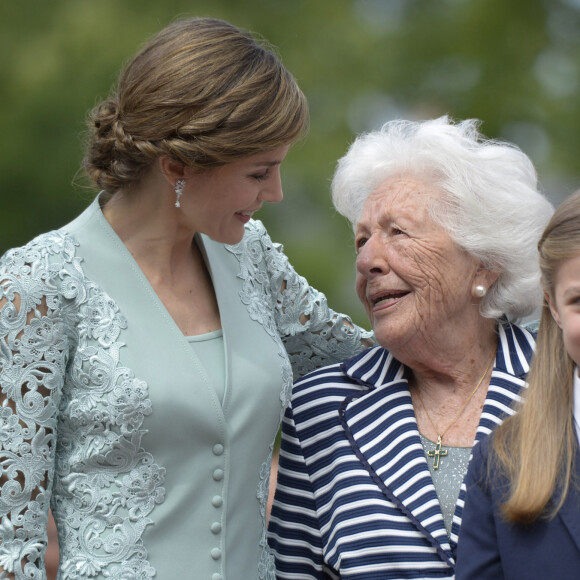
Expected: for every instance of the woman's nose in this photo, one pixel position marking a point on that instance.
(272, 192)
(371, 259)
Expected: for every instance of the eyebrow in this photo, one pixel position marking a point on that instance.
(571, 291)
(267, 163)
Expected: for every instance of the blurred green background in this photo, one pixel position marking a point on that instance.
(515, 64)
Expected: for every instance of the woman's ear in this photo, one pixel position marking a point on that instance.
(485, 277)
(553, 309)
(172, 170)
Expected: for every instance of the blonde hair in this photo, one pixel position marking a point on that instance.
(535, 448)
(202, 92)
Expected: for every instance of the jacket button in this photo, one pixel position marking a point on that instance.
(216, 528)
(218, 449)
(218, 474)
(217, 501)
(216, 576)
(216, 553)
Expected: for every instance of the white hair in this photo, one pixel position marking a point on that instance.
(492, 207)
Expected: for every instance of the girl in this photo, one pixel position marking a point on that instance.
(522, 512)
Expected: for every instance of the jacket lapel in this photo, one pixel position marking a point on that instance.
(570, 510)
(252, 347)
(514, 352)
(381, 426)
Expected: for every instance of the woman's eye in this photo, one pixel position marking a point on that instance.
(396, 231)
(261, 176)
(360, 242)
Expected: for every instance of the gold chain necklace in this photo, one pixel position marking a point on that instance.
(439, 452)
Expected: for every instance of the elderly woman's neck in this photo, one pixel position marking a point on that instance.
(452, 366)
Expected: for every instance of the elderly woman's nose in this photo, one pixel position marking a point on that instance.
(371, 258)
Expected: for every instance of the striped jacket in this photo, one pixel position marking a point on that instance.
(355, 498)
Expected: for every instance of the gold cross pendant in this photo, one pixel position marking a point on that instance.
(437, 453)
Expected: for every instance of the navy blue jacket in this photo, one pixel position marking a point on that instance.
(490, 548)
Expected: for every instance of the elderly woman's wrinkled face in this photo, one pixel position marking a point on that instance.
(412, 279)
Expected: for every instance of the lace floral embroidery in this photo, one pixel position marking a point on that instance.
(60, 373)
(297, 317)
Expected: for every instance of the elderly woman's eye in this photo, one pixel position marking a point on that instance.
(359, 243)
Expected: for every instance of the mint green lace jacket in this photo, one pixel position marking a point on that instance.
(109, 417)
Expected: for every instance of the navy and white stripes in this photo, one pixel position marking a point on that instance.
(355, 497)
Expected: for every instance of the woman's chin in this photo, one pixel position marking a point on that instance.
(394, 333)
(230, 238)
(387, 338)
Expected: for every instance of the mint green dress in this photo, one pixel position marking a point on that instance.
(152, 448)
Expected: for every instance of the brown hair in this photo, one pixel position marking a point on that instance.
(535, 448)
(202, 92)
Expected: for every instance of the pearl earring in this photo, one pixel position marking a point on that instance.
(480, 291)
(179, 185)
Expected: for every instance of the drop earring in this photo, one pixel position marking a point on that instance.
(480, 291)
(179, 185)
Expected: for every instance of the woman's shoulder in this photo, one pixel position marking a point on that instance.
(255, 231)
(257, 252)
(256, 226)
(320, 394)
(47, 248)
(344, 379)
(52, 246)
(256, 240)
(485, 471)
(516, 346)
(324, 377)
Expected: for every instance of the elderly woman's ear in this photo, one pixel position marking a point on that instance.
(483, 280)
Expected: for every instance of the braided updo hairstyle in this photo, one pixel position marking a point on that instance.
(202, 92)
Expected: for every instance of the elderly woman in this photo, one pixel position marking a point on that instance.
(375, 449)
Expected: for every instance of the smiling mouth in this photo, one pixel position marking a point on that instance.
(388, 298)
(249, 212)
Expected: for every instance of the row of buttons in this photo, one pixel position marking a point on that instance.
(217, 502)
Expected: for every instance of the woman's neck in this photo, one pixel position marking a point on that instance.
(147, 222)
(453, 365)
(449, 391)
(150, 228)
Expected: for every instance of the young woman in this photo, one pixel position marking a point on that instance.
(522, 512)
(147, 348)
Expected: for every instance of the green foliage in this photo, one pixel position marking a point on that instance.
(515, 65)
